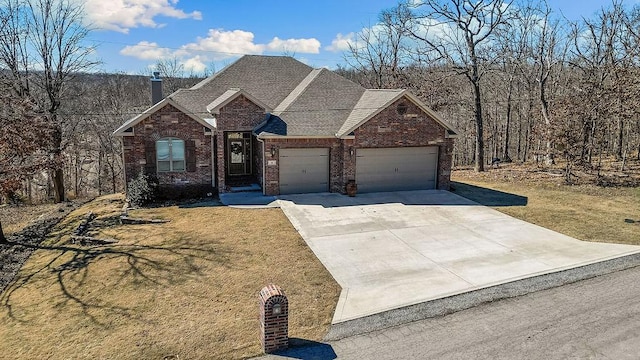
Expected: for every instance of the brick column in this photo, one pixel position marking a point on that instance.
(274, 318)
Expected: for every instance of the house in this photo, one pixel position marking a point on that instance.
(289, 128)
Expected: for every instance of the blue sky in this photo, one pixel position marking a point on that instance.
(131, 35)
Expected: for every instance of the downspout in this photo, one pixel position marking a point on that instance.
(124, 166)
(214, 160)
(264, 167)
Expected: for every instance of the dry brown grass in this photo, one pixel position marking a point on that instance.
(186, 288)
(15, 217)
(586, 212)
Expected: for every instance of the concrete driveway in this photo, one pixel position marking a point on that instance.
(390, 250)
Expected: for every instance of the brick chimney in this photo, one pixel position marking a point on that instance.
(156, 88)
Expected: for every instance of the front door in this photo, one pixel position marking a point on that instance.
(238, 153)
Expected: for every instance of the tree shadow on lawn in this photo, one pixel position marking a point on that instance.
(137, 265)
(487, 197)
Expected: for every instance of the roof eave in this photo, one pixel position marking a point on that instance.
(412, 98)
(150, 111)
(266, 135)
(216, 109)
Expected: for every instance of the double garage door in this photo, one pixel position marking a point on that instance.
(377, 169)
(396, 169)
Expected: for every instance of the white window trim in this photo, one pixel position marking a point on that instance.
(184, 160)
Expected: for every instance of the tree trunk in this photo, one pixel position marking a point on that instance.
(619, 138)
(505, 153)
(58, 185)
(3, 239)
(100, 172)
(58, 172)
(479, 165)
(519, 145)
(113, 178)
(548, 158)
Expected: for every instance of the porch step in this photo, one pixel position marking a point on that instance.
(245, 188)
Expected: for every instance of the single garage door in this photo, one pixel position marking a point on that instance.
(304, 170)
(396, 169)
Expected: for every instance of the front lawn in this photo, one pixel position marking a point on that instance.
(586, 212)
(186, 289)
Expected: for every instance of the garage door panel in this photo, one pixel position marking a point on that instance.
(304, 170)
(396, 169)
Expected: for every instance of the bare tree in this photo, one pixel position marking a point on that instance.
(42, 44)
(380, 51)
(548, 54)
(24, 140)
(598, 53)
(459, 33)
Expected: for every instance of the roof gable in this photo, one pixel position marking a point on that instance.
(150, 111)
(230, 95)
(373, 102)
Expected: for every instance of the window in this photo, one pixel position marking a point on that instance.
(402, 108)
(170, 155)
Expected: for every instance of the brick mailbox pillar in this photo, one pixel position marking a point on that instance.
(274, 318)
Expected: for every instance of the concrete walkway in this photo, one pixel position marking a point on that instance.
(392, 250)
(249, 200)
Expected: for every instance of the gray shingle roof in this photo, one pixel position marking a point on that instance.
(323, 106)
(305, 102)
(269, 79)
(272, 126)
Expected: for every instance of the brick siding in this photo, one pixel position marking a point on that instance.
(414, 128)
(386, 129)
(171, 122)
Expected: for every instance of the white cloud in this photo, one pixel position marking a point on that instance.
(306, 46)
(219, 45)
(341, 42)
(195, 65)
(122, 15)
(145, 50)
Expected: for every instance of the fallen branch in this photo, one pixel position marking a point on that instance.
(84, 225)
(88, 240)
(125, 220)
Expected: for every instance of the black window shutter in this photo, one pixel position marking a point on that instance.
(190, 147)
(150, 157)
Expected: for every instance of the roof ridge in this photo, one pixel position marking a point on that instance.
(299, 90)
